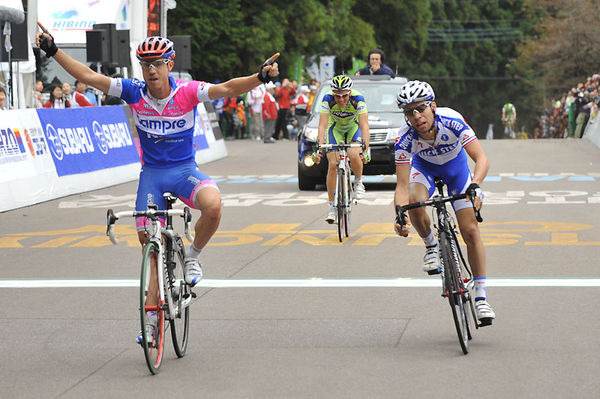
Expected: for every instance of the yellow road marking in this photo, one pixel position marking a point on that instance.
(283, 234)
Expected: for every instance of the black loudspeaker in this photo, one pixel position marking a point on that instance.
(183, 52)
(123, 48)
(97, 46)
(18, 38)
(113, 42)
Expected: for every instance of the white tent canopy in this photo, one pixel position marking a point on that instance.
(12, 11)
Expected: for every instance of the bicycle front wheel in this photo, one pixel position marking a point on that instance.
(348, 204)
(153, 344)
(180, 293)
(341, 204)
(455, 290)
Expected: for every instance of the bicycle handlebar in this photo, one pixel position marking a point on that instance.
(152, 214)
(342, 145)
(435, 201)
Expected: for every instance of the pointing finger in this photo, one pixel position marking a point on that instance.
(272, 59)
(42, 27)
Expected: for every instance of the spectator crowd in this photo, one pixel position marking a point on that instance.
(268, 113)
(569, 115)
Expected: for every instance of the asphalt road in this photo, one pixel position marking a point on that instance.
(289, 312)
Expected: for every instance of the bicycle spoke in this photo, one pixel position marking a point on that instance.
(454, 290)
(179, 292)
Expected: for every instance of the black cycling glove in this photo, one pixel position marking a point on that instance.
(263, 74)
(48, 45)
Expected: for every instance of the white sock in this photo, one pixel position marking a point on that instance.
(151, 317)
(194, 252)
(480, 289)
(430, 240)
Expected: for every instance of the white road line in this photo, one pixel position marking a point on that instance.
(302, 283)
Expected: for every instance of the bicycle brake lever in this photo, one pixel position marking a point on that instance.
(400, 215)
(110, 226)
(187, 218)
(478, 216)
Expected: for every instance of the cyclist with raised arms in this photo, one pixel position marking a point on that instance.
(435, 143)
(164, 112)
(343, 118)
(509, 117)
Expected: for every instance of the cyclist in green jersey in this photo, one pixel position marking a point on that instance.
(343, 119)
(509, 116)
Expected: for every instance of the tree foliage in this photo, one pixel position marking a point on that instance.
(564, 48)
(477, 54)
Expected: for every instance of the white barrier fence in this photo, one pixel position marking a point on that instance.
(592, 130)
(47, 153)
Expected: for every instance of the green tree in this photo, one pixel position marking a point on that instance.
(564, 48)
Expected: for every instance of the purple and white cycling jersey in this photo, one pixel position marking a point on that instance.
(166, 131)
(165, 127)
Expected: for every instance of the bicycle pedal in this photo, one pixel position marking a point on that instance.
(193, 294)
(485, 322)
(435, 271)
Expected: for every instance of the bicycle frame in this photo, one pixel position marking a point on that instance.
(157, 232)
(344, 192)
(455, 286)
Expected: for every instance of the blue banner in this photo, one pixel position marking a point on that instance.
(88, 139)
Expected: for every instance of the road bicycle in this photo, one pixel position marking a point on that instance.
(508, 130)
(344, 190)
(457, 279)
(162, 261)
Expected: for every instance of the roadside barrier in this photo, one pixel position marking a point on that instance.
(50, 153)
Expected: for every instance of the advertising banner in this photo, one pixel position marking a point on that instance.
(68, 20)
(84, 140)
(23, 149)
(203, 130)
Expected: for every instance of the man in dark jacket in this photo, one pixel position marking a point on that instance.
(376, 65)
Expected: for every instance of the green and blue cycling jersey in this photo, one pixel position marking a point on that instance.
(509, 111)
(343, 121)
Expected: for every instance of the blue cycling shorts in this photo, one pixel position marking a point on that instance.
(455, 174)
(183, 181)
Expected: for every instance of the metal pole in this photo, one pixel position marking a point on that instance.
(99, 95)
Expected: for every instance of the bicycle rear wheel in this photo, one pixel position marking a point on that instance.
(180, 293)
(153, 350)
(341, 189)
(455, 289)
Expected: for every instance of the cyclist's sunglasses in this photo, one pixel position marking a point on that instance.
(419, 108)
(154, 64)
(342, 95)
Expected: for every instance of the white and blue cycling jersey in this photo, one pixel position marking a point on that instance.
(445, 157)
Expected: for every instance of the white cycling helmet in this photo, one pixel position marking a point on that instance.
(414, 91)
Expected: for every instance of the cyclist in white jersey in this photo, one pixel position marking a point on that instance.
(435, 143)
(164, 113)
